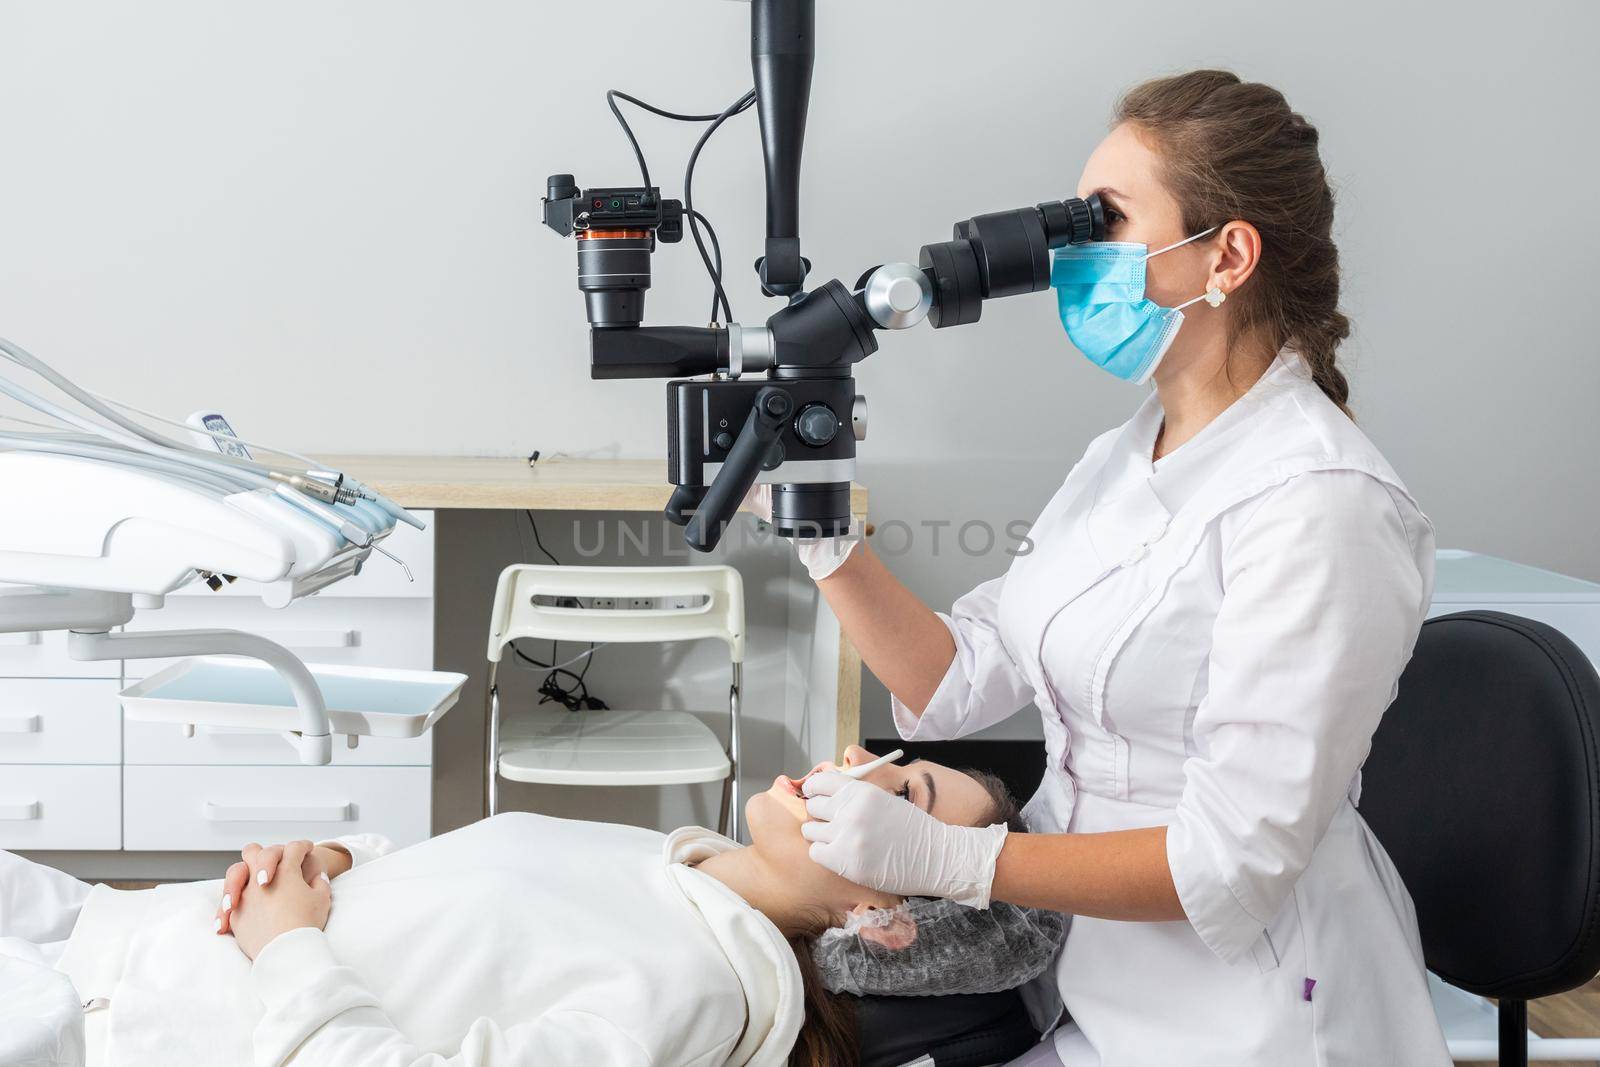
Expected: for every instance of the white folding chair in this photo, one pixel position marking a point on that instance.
(614, 747)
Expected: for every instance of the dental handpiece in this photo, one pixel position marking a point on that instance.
(864, 769)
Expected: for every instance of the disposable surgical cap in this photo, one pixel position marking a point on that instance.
(931, 947)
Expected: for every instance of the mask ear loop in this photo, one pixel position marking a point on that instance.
(1180, 244)
(1213, 295)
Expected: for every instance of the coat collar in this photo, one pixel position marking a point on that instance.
(1179, 475)
(758, 953)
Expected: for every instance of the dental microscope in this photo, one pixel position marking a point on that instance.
(777, 402)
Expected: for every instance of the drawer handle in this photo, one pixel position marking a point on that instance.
(30, 637)
(19, 812)
(313, 638)
(19, 724)
(277, 812)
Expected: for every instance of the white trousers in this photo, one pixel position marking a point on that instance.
(41, 1019)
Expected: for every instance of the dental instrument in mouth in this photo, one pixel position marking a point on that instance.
(857, 772)
(862, 770)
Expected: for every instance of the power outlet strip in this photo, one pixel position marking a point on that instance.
(640, 603)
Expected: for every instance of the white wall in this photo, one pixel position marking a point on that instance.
(324, 218)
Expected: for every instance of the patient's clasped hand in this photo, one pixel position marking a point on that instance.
(303, 897)
(526, 939)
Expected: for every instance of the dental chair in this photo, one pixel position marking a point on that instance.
(966, 1030)
(1484, 787)
(102, 516)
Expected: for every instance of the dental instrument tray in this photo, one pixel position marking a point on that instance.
(229, 692)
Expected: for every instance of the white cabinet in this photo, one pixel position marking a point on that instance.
(44, 655)
(320, 629)
(60, 720)
(200, 808)
(63, 807)
(75, 776)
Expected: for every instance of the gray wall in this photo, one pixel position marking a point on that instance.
(324, 217)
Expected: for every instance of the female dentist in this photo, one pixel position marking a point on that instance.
(1217, 609)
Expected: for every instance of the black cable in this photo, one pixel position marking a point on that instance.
(548, 554)
(555, 646)
(524, 657)
(613, 95)
(574, 697)
(739, 105)
(716, 252)
(719, 297)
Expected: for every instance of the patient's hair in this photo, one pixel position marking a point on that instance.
(828, 1034)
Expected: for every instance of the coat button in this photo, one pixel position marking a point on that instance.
(1137, 554)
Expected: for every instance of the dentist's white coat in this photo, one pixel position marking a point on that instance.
(1212, 640)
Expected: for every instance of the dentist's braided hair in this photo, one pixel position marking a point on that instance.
(1235, 150)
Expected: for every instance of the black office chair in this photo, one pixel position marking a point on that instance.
(1484, 787)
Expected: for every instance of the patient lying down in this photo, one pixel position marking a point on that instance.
(529, 940)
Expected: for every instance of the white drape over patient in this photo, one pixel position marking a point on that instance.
(517, 940)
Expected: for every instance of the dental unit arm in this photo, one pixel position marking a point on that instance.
(106, 517)
(780, 395)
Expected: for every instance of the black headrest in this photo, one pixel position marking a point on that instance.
(1484, 787)
(963, 1030)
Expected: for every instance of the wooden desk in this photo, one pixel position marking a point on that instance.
(635, 485)
(557, 484)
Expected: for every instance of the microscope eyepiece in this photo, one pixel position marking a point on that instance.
(1072, 222)
(1003, 254)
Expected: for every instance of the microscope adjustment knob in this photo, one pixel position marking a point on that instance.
(897, 295)
(816, 425)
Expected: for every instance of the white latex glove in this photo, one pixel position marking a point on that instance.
(881, 841)
(820, 556)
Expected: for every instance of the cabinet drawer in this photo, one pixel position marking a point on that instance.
(59, 720)
(379, 577)
(187, 809)
(44, 655)
(164, 743)
(369, 633)
(60, 807)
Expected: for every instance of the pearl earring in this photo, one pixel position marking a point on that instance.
(1215, 296)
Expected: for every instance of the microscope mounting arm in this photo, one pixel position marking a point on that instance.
(778, 395)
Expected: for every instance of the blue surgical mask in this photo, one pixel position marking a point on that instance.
(1100, 294)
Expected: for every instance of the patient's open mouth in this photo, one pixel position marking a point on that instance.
(790, 784)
